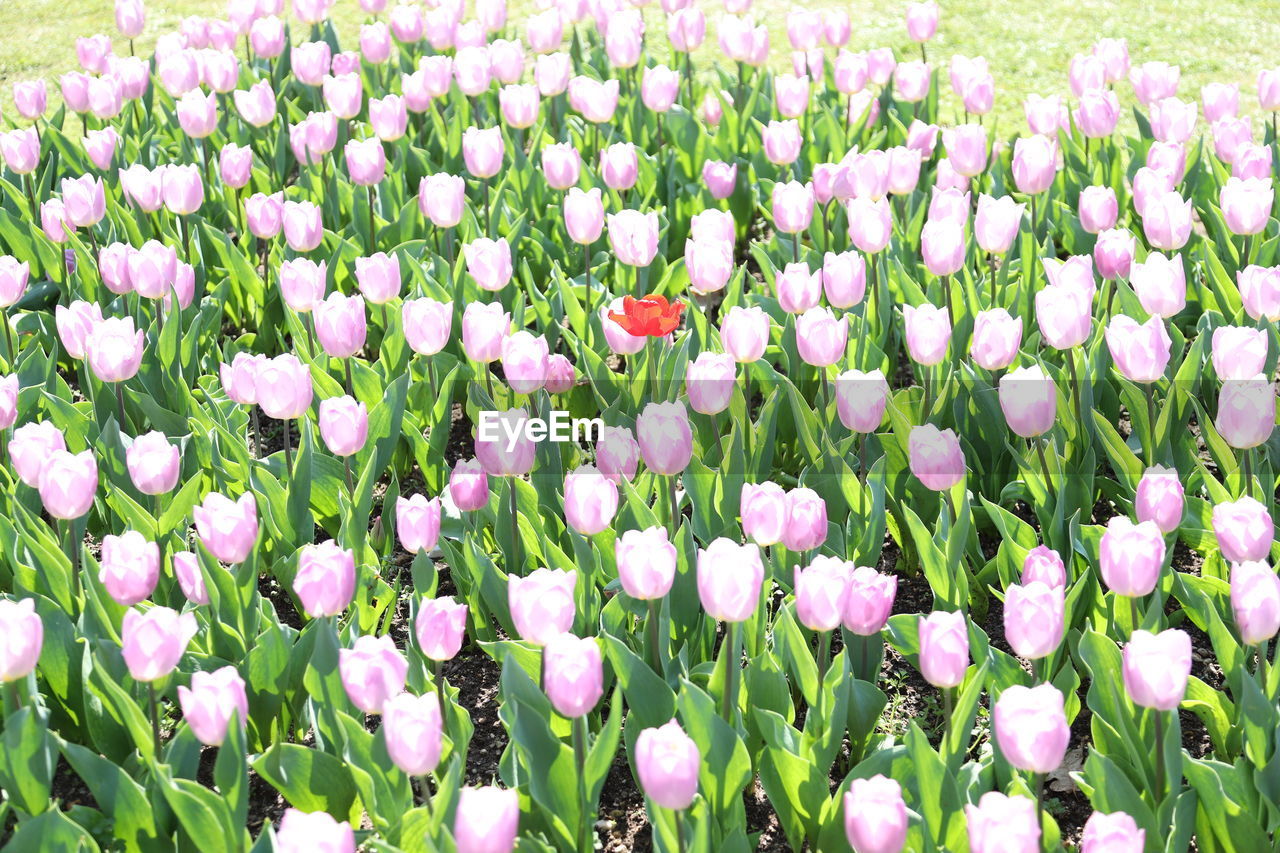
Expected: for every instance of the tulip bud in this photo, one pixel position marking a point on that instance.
(1156, 667)
(573, 674)
(23, 633)
(944, 648)
(1244, 529)
(730, 577)
(372, 672)
(875, 815)
(414, 731)
(1034, 615)
(211, 701)
(486, 820)
(542, 604)
(153, 642)
(302, 832)
(1159, 498)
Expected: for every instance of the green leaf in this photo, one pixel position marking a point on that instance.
(309, 779)
(27, 761)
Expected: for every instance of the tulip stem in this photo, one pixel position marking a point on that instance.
(681, 843)
(438, 673)
(795, 248)
(1044, 465)
(946, 713)
(746, 410)
(1075, 388)
(73, 557)
(671, 504)
(120, 405)
(15, 698)
(824, 661)
(927, 408)
(826, 396)
(580, 756)
(1151, 425)
(1134, 615)
(351, 385)
(1159, 792)
(346, 469)
(485, 184)
(372, 215)
(155, 717)
(1038, 781)
(732, 664)
(8, 336)
(257, 432)
(1246, 464)
(651, 627)
(288, 451)
(515, 529)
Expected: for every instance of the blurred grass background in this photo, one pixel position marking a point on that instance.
(1028, 43)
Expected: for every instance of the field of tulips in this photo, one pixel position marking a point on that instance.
(501, 435)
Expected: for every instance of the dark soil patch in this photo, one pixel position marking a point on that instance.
(476, 677)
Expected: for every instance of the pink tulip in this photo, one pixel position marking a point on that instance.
(943, 246)
(153, 463)
(1156, 667)
(427, 324)
(1166, 221)
(782, 142)
(154, 642)
(1246, 411)
(590, 500)
(301, 832)
(1001, 824)
(1113, 253)
(1034, 163)
(912, 81)
(519, 105)
(584, 220)
(1160, 284)
(764, 512)
(1140, 350)
(505, 449)
(302, 284)
(114, 349)
(303, 229)
(1112, 833)
(1028, 399)
(709, 381)
(667, 761)
(997, 223)
(1255, 601)
(730, 577)
(486, 820)
(129, 567)
(1246, 204)
(996, 338)
(24, 638)
(264, 215)
(573, 674)
(484, 330)
(229, 530)
(1173, 120)
(967, 149)
(821, 592)
(875, 815)
(821, 338)
(922, 23)
(646, 562)
(949, 205)
(489, 262)
(1097, 208)
(211, 702)
(1238, 352)
(1098, 113)
(414, 728)
(665, 437)
(928, 331)
(792, 207)
(186, 569)
(469, 485)
(551, 74)
(21, 150)
(1260, 291)
(870, 224)
(596, 101)
(633, 236)
(373, 671)
(1044, 565)
(1130, 556)
(1244, 530)
(861, 399)
(31, 447)
(1034, 616)
(442, 199)
(561, 166)
(1031, 727)
(8, 400)
(944, 648)
(344, 425)
(1154, 81)
(935, 457)
(340, 324)
(1159, 498)
(542, 604)
(440, 627)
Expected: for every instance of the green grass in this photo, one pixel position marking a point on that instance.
(1027, 42)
